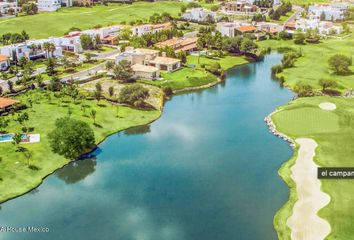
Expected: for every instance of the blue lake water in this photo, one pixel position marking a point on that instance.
(206, 170)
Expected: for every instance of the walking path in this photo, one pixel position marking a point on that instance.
(304, 223)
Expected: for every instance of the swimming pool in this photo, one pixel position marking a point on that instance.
(8, 137)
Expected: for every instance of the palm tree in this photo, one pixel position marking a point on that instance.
(28, 155)
(49, 48)
(93, 115)
(16, 139)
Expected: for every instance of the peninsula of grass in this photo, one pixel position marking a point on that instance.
(194, 76)
(334, 133)
(48, 24)
(313, 65)
(15, 176)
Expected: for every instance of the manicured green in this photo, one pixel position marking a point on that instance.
(13, 167)
(57, 23)
(313, 65)
(184, 78)
(334, 133)
(225, 62)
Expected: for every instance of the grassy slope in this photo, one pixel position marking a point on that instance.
(42, 117)
(195, 77)
(314, 63)
(57, 23)
(334, 133)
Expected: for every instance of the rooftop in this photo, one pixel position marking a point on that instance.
(249, 28)
(6, 102)
(144, 68)
(165, 60)
(3, 58)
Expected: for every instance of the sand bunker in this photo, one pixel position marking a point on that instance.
(327, 106)
(304, 223)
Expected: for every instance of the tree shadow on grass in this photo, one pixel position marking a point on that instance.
(97, 125)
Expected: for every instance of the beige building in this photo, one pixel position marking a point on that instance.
(166, 63)
(146, 72)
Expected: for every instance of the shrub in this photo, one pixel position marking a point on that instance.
(277, 69)
(133, 94)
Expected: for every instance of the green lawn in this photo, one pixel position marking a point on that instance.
(314, 64)
(188, 77)
(57, 23)
(334, 133)
(225, 62)
(282, 19)
(17, 178)
(183, 78)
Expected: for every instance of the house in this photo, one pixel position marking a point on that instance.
(323, 27)
(143, 71)
(4, 62)
(199, 15)
(82, 3)
(328, 12)
(5, 7)
(48, 5)
(70, 42)
(5, 103)
(228, 28)
(110, 39)
(149, 28)
(240, 7)
(137, 56)
(246, 29)
(179, 44)
(268, 27)
(166, 63)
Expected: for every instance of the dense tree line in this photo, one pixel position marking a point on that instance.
(282, 10)
(12, 38)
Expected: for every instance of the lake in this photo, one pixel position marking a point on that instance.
(206, 170)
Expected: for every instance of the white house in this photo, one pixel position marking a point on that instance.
(48, 5)
(323, 27)
(4, 62)
(199, 15)
(70, 43)
(6, 6)
(331, 12)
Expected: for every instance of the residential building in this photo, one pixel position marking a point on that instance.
(48, 5)
(67, 3)
(330, 12)
(70, 42)
(4, 62)
(245, 29)
(5, 103)
(240, 7)
(229, 28)
(268, 27)
(179, 44)
(82, 2)
(323, 27)
(199, 15)
(149, 28)
(5, 7)
(146, 72)
(166, 64)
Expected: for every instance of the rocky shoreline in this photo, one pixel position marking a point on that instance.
(273, 130)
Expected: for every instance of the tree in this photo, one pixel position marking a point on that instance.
(111, 91)
(30, 8)
(248, 45)
(10, 84)
(125, 33)
(86, 41)
(93, 115)
(51, 65)
(340, 63)
(88, 56)
(49, 48)
(16, 139)
(323, 16)
(4, 123)
(299, 37)
(109, 65)
(28, 155)
(71, 137)
(123, 71)
(55, 84)
(303, 90)
(133, 94)
(326, 83)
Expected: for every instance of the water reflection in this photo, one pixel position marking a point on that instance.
(77, 171)
(138, 130)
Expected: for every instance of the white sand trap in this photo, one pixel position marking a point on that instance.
(304, 223)
(327, 106)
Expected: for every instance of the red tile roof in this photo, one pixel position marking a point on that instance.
(3, 58)
(246, 28)
(6, 102)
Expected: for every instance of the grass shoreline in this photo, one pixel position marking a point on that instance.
(40, 180)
